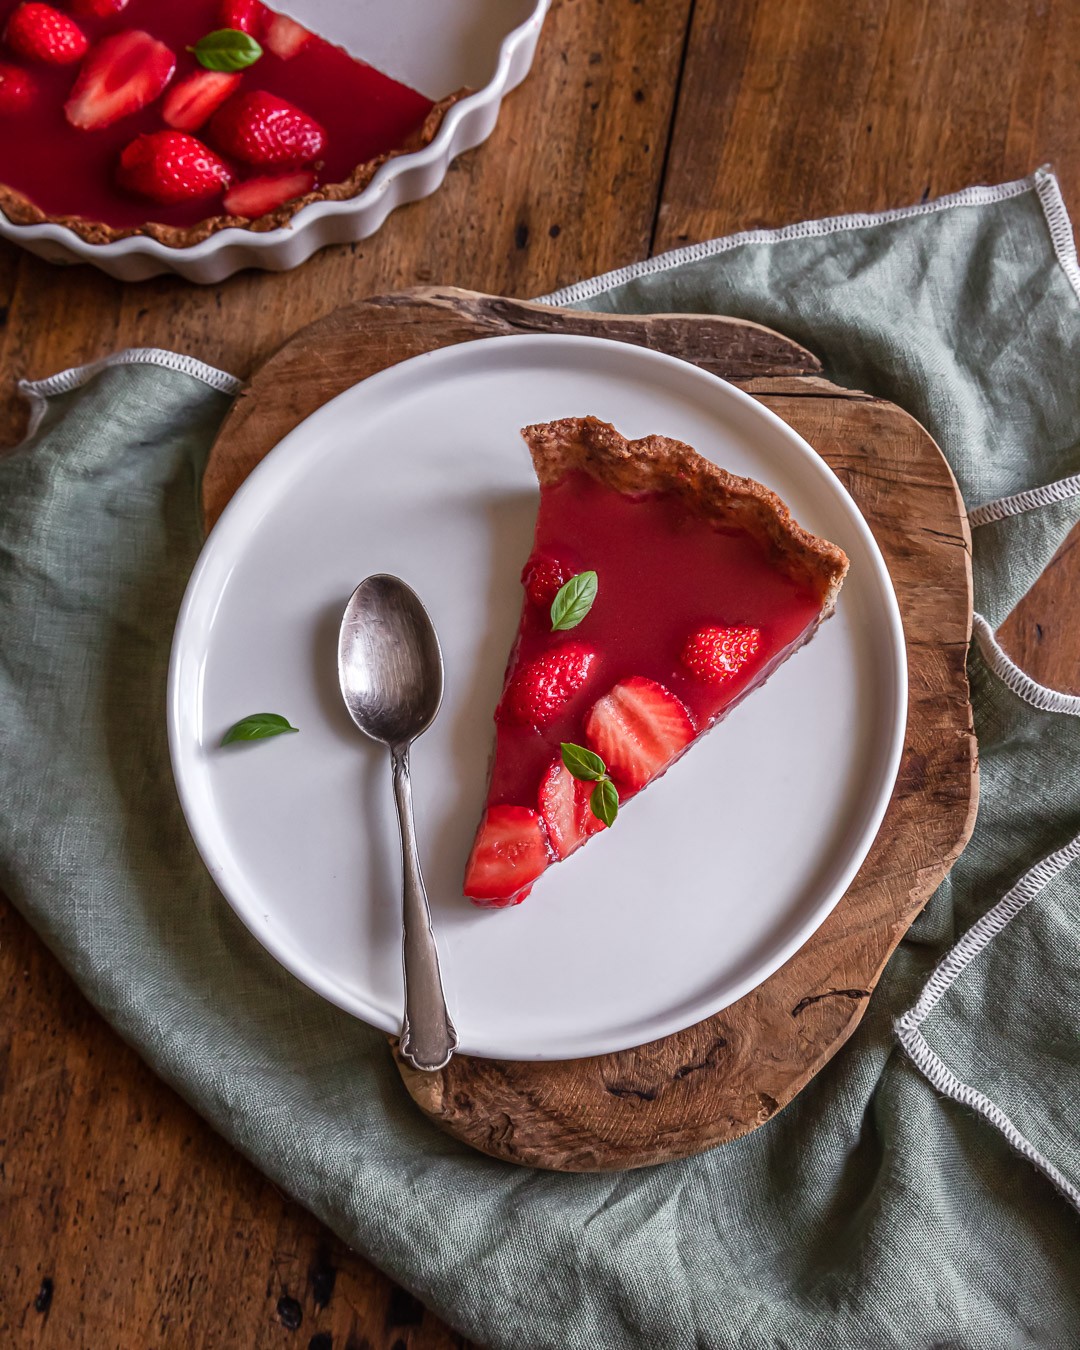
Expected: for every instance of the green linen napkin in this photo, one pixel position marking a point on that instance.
(921, 1191)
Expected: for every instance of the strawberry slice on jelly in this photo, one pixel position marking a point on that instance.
(256, 197)
(120, 76)
(195, 99)
(285, 37)
(565, 810)
(509, 853)
(638, 729)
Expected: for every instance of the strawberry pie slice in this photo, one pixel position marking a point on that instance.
(660, 591)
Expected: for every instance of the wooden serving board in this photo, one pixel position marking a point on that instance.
(730, 1073)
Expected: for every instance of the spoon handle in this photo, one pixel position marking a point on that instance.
(428, 1038)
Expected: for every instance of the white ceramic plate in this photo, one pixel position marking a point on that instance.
(486, 45)
(714, 876)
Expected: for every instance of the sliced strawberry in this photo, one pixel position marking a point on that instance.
(195, 99)
(18, 90)
(565, 810)
(98, 9)
(509, 853)
(249, 16)
(717, 654)
(256, 196)
(170, 167)
(260, 128)
(637, 730)
(541, 687)
(285, 37)
(122, 74)
(41, 33)
(543, 579)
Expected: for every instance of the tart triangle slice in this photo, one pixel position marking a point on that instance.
(660, 591)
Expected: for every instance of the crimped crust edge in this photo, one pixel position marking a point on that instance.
(660, 464)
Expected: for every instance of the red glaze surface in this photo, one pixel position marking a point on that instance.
(663, 575)
(65, 171)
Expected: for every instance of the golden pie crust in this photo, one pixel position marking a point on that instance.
(21, 211)
(659, 464)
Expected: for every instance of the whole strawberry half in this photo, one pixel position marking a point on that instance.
(249, 16)
(41, 33)
(541, 687)
(564, 808)
(18, 90)
(543, 579)
(260, 128)
(171, 167)
(122, 74)
(509, 853)
(717, 654)
(637, 729)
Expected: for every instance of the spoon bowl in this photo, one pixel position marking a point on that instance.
(389, 661)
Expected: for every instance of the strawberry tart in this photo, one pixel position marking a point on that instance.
(660, 592)
(177, 119)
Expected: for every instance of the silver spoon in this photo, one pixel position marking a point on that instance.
(391, 674)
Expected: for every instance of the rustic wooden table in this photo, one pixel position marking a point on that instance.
(645, 124)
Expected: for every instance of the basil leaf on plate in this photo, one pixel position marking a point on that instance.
(257, 727)
(573, 601)
(604, 802)
(226, 49)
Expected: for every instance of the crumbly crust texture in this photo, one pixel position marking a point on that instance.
(659, 464)
(22, 211)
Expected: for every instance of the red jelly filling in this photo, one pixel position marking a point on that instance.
(64, 170)
(687, 620)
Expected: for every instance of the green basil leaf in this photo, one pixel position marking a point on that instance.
(257, 727)
(573, 601)
(604, 802)
(582, 763)
(226, 49)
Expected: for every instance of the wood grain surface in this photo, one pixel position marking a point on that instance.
(147, 1229)
(730, 1073)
